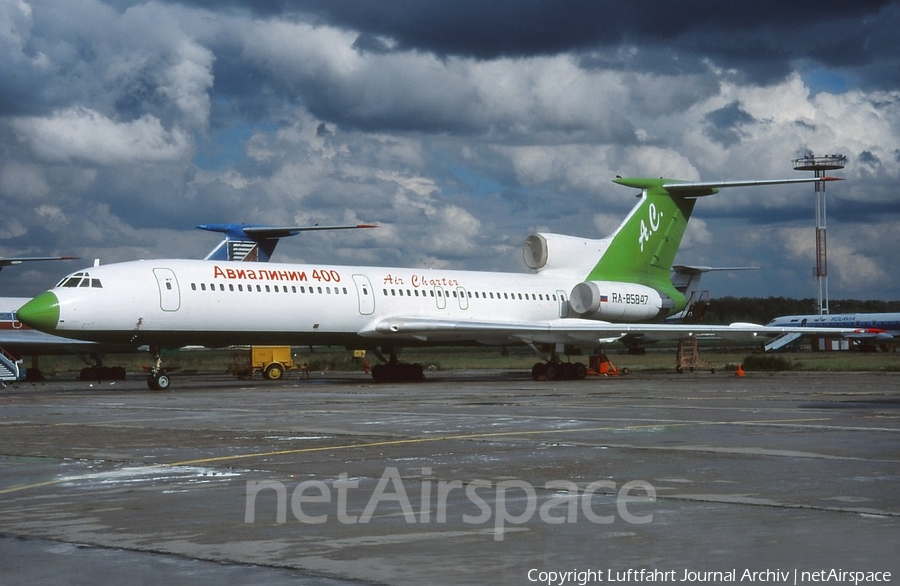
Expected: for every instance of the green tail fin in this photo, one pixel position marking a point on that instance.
(643, 248)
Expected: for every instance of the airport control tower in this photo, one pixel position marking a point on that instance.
(820, 165)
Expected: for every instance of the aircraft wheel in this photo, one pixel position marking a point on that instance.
(274, 371)
(554, 371)
(158, 382)
(568, 371)
(415, 371)
(396, 372)
(580, 371)
(538, 371)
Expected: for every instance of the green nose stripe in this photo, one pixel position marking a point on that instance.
(41, 313)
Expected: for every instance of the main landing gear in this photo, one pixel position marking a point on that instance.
(392, 370)
(98, 372)
(157, 380)
(555, 369)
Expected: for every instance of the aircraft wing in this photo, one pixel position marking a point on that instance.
(563, 330)
(33, 342)
(8, 262)
(870, 334)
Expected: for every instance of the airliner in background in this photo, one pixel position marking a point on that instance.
(241, 243)
(870, 329)
(580, 292)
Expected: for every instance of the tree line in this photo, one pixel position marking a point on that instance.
(760, 310)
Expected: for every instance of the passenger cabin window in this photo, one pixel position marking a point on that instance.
(312, 290)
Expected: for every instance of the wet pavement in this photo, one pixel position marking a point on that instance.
(470, 477)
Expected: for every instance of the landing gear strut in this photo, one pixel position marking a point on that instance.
(394, 371)
(157, 380)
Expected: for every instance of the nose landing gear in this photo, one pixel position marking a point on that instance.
(157, 380)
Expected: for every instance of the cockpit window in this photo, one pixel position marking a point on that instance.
(71, 280)
(80, 280)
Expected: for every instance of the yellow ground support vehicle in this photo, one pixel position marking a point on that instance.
(272, 361)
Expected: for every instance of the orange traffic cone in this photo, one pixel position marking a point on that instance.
(739, 371)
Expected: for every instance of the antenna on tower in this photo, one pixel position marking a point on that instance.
(820, 165)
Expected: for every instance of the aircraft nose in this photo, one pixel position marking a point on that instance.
(41, 313)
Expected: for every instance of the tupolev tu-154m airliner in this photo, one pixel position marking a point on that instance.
(580, 291)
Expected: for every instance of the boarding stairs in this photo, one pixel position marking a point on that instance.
(10, 366)
(781, 341)
(695, 307)
(688, 354)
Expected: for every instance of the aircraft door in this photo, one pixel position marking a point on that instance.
(563, 304)
(365, 294)
(169, 293)
(463, 298)
(440, 297)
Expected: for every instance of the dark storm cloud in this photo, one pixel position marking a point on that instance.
(760, 38)
(724, 124)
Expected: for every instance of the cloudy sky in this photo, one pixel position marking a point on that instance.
(459, 127)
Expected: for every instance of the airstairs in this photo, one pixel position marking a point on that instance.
(10, 367)
(781, 341)
(688, 353)
(695, 307)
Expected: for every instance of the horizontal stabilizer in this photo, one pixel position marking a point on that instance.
(702, 188)
(695, 270)
(255, 242)
(261, 232)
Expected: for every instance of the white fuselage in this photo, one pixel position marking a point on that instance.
(181, 302)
